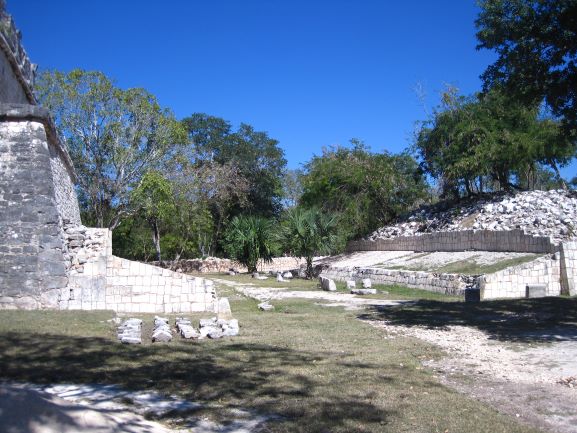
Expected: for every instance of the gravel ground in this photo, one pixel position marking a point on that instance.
(534, 382)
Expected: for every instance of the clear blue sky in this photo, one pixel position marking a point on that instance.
(310, 73)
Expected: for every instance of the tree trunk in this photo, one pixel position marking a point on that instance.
(309, 268)
(558, 175)
(156, 237)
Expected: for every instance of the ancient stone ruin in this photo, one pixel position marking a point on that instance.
(47, 258)
(542, 223)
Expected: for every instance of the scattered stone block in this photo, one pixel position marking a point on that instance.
(129, 332)
(367, 283)
(364, 291)
(287, 275)
(328, 285)
(265, 306)
(279, 278)
(161, 332)
(536, 290)
(351, 284)
(223, 309)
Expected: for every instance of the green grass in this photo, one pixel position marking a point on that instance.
(294, 284)
(469, 267)
(318, 369)
(466, 267)
(397, 292)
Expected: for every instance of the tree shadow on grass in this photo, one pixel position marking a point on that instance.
(524, 320)
(265, 379)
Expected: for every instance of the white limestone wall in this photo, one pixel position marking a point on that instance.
(135, 287)
(512, 282)
(102, 281)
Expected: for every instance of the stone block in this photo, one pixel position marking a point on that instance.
(535, 290)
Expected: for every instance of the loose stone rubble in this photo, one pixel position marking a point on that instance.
(185, 328)
(364, 291)
(537, 213)
(265, 306)
(161, 332)
(217, 328)
(130, 331)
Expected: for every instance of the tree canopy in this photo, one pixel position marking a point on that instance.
(114, 136)
(367, 190)
(487, 142)
(536, 44)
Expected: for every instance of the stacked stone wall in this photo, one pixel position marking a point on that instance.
(31, 242)
(101, 281)
(449, 284)
(481, 240)
(512, 282)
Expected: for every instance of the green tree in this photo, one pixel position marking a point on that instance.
(249, 239)
(307, 233)
(366, 190)
(257, 157)
(113, 136)
(154, 199)
(536, 44)
(473, 144)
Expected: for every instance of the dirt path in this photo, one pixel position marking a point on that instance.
(535, 382)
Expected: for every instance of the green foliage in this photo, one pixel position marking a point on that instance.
(366, 190)
(309, 232)
(473, 144)
(249, 239)
(536, 44)
(113, 136)
(154, 200)
(257, 157)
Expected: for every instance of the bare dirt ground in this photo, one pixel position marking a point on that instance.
(533, 381)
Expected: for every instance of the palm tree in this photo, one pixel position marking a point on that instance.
(309, 232)
(249, 239)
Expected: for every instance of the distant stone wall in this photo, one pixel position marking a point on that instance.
(482, 240)
(448, 284)
(217, 265)
(512, 282)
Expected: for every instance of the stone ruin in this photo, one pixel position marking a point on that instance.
(48, 259)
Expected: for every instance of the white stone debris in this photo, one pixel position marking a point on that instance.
(265, 306)
(217, 328)
(185, 328)
(161, 332)
(537, 213)
(130, 331)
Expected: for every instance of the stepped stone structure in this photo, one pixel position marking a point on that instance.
(47, 258)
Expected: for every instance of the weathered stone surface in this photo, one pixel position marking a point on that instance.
(351, 284)
(129, 332)
(223, 309)
(364, 291)
(265, 306)
(536, 290)
(287, 275)
(327, 284)
(367, 283)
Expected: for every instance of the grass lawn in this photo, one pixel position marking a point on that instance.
(318, 369)
(396, 292)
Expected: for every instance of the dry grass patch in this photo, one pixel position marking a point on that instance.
(317, 369)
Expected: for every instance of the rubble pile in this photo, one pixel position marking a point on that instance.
(538, 213)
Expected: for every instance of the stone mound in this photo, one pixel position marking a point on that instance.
(538, 213)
